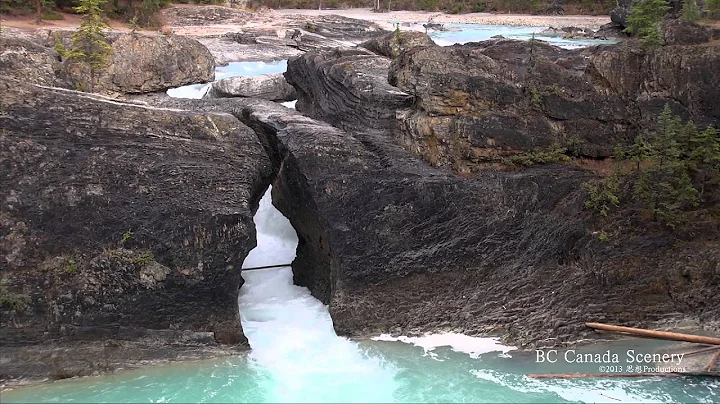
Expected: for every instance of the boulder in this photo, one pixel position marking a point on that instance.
(122, 220)
(142, 63)
(271, 87)
(394, 43)
(28, 61)
(610, 30)
(680, 32)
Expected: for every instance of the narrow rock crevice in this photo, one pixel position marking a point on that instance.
(314, 265)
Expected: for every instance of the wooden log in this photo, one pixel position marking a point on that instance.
(713, 362)
(266, 267)
(700, 351)
(627, 375)
(673, 336)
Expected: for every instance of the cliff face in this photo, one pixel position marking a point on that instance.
(122, 221)
(512, 253)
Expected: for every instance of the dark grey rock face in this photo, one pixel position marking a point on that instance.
(272, 87)
(481, 101)
(394, 245)
(121, 219)
(419, 249)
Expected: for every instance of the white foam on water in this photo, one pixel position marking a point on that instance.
(289, 104)
(291, 333)
(473, 346)
(585, 391)
(193, 91)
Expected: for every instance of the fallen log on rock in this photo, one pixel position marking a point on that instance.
(701, 351)
(673, 336)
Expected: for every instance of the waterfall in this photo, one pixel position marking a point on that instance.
(291, 333)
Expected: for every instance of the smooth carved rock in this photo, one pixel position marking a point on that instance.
(141, 64)
(329, 88)
(272, 87)
(121, 219)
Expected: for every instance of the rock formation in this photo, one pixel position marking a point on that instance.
(417, 248)
(482, 101)
(122, 221)
(271, 87)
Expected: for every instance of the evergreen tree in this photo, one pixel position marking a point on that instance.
(666, 191)
(666, 144)
(713, 9)
(89, 44)
(639, 152)
(705, 155)
(690, 11)
(644, 21)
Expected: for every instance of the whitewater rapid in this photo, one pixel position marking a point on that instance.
(291, 333)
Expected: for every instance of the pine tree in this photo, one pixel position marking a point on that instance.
(713, 9)
(639, 152)
(666, 144)
(690, 11)
(666, 191)
(705, 154)
(89, 42)
(644, 21)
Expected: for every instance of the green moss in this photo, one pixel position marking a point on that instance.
(553, 154)
(535, 97)
(13, 301)
(70, 267)
(144, 257)
(125, 237)
(554, 89)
